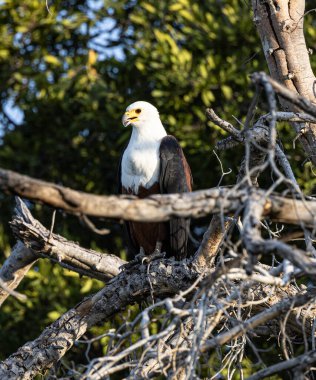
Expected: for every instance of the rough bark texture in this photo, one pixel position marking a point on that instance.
(15, 268)
(280, 26)
(160, 278)
(126, 288)
(68, 254)
(158, 207)
(212, 240)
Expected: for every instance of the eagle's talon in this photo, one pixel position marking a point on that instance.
(156, 255)
(138, 259)
(144, 259)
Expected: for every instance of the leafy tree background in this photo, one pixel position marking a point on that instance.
(72, 72)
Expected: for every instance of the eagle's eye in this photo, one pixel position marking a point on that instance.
(138, 111)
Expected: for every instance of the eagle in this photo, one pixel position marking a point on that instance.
(153, 163)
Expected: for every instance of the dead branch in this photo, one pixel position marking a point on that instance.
(305, 360)
(165, 276)
(158, 207)
(68, 254)
(14, 269)
(276, 310)
(293, 97)
(170, 350)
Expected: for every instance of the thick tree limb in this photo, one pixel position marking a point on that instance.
(66, 253)
(280, 26)
(158, 207)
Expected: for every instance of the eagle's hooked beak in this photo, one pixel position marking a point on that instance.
(130, 117)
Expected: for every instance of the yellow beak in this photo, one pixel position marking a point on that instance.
(129, 117)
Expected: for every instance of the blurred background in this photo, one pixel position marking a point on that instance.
(68, 70)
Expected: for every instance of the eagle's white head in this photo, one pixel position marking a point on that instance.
(141, 161)
(144, 118)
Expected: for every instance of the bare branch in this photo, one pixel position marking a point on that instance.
(295, 98)
(276, 310)
(66, 253)
(15, 268)
(307, 360)
(158, 207)
(225, 125)
(126, 288)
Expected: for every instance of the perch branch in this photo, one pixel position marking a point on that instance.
(126, 288)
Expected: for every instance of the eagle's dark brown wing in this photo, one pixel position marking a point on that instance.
(175, 177)
(132, 249)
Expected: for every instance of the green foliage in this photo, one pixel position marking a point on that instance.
(73, 72)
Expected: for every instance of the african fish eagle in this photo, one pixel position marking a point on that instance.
(153, 163)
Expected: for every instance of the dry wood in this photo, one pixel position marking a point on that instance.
(293, 97)
(261, 318)
(68, 254)
(159, 207)
(307, 360)
(15, 268)
(166, 276)
(280, 26)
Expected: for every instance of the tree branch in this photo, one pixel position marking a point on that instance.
(165, 276)
(158, 207)
(68, 254)
(15, 268)
(261, 318)
(307, 358)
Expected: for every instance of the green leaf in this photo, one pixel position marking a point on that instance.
(150, 8)
(52, 60)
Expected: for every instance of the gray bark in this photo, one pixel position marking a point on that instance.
(15, 268)
(165, 277)
(70, 255)
(159, 207)
(280, 26)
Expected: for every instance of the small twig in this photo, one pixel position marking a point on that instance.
(92, 227)
(259, 319)
(225, 125)
(19, 296)
(308, 358)
(47, 7)
(222, 170)
(52, 225)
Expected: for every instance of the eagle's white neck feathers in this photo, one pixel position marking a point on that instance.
(140, 162)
